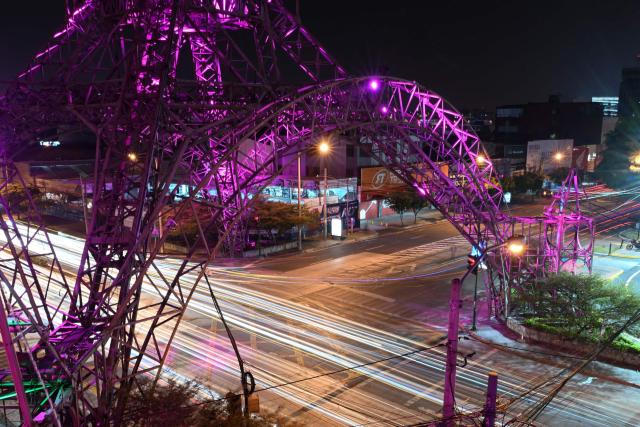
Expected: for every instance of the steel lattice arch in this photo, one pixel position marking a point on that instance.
(78, 342)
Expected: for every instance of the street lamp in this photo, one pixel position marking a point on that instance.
(635, 163)
(558, 156)
(324, 148)
(515, 247)
(481, 160)
(448, 402)
(133, 157)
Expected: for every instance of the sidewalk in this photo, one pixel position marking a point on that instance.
(602, 247)
(393, 221)
(317, 243)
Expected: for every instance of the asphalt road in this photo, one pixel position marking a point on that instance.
(322, 334)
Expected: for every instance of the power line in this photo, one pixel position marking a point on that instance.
(546, 353)
(337, 371)
(534, 412)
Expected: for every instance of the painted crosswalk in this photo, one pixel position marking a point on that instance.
(404, 260)
(430, 248)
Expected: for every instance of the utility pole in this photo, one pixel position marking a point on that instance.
(299, 205)
(448, 404)
(325, 203)
(490, 404)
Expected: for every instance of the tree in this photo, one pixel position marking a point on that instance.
(17, 199)
(399, 202)
(622, 144)
(178, 404)
(523, 183)
(582, 305)
(416, 204)
(558, 175)
(280, 217)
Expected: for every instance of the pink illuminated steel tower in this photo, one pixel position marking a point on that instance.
(192, 94)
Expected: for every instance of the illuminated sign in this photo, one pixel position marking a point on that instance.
(49, 143)
(336, 227)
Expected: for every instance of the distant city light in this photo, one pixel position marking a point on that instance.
(374, 84)
(49, 143)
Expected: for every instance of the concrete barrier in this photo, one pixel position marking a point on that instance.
(610, 355)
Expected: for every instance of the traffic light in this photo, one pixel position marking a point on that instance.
(472, 263)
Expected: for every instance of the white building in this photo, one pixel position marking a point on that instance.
(546, 155)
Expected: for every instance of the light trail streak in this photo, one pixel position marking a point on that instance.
(284, 324)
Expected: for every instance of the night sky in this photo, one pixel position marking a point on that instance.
(474, 53)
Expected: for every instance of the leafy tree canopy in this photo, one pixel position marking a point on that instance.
(404, 201)
(622, 144)
(523, 183)
(281, 217)
(584, 305)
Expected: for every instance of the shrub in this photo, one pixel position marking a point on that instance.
(585, 306)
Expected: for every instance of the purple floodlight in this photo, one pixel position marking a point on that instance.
(374, 84)
(384, 109)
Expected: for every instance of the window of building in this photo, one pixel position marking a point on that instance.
(509, 112)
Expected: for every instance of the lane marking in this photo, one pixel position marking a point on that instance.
(631, 278)
(372, 295)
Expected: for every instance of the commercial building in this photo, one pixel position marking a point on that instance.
(519, 124)
(523, 126)
(609, 105)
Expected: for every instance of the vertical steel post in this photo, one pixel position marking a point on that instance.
(325, 203)
(14, 367)
(475, 302)
(490, 404)
(448, 404)
(299, 204)
(84, 206)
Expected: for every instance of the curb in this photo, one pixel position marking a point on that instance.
(618, 256)
(340, 242)
(610, 355)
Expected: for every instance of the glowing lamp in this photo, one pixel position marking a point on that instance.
(324, 147)
(636, 159)
(515, 248)
(558, 156)
(374, 84)
(132, 156)
(384, 109)
(481, 160)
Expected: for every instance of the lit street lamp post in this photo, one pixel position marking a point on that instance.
(323, 149)
(325, 204)
(515, 246)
